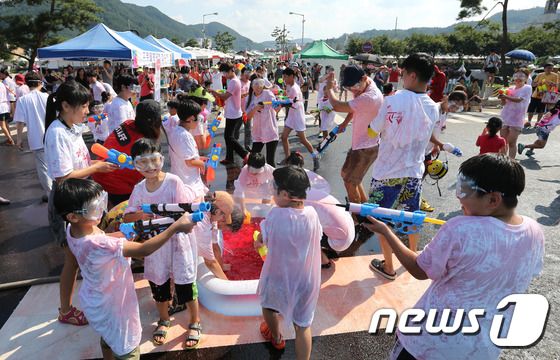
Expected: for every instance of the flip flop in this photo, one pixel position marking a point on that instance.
(267, 335)
(378, 266)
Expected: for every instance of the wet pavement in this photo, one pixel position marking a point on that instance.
(27, 252)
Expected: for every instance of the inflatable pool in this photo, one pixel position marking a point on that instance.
(239, 297)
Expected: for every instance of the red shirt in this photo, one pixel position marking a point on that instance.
(121, 181)
(439, 80)
(394, 75)
(490, 144)
(145, 88)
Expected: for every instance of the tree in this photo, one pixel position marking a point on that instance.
(431, 44)
(191, 42)
(540, 40)
(281, 38)
(37, 23)
(176, 41)
(354, 46)
(224, 41)
(471, 8)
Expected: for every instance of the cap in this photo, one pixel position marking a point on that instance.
(139, 70)
(531, 67)
(19, 79)
(200, 92)
(548, 63)
(148, 109)
(352, 75)
(294, 64)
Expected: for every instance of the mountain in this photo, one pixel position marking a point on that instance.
(517, 20)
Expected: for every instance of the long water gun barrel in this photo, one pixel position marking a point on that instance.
(149, 228)
(113, 156)
(165, 209)
(277, 103)
(329, 139)
(406, 222)
(97, 118)
(212, 163)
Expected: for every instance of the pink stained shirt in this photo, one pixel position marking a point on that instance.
(232, 107)
(265, 127)
(513, 114)
(107, 294)
(257, 186)
(364, 109)
(474, 262)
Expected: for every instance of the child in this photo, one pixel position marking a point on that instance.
(107, 292)
(474, 260)
(295, 120)
(405, 123)
(254, 181)
(327, 113)
(170, 122)
(176, 259)
(489, 141)
(292, 233)
(201, 97)
(67, 157)
(99, 129)
(544, 127)
(316, 181)
(185, 160)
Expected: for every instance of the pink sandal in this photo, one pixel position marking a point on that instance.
(73, 317)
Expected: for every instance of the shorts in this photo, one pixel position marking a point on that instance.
(185, 293)
(536, 106)
(133, 355)
(398, 352)
(516, 128)
(295, 122)
(542, 134)
(357, 164)
(401, 193)
(5, 117)
(56, 222)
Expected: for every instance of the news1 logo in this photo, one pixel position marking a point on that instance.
(525, 328)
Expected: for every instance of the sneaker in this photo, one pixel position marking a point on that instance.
(530, 152)
(316, 163)
(520, 148)
(320, 135)
(425, 206)
(378, 266)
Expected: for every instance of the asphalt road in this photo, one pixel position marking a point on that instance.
(26, 250)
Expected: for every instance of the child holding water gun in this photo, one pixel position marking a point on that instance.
(107, 291)
(99, 128)
(490, 141)
(172, 120)
(67, 157)
(177, 258)
(544, 127)
(183, 150)
(474, 261)
(291, 275)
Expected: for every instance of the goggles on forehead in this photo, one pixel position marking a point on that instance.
(98, 107)
(466, 186)
(255, 171)
(94, 209)
(149, 162)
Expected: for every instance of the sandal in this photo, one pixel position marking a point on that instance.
(198, 328)
(72, 317)
(267, 335)
(161, 333)
(378, 266)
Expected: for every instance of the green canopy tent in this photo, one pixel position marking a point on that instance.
(321, 50)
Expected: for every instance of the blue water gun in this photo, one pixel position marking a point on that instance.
(329, 139)
(212, 162)
(276, 103)
(176, 210)
(214, 125)
(143, 230)
(405, 222)
(98, 118)
(113, 156)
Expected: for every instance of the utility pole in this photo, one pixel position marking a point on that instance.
(396, 22)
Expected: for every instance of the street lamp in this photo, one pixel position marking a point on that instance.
(302, 26)
(204, 28)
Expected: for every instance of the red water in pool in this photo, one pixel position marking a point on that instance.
(239, 252)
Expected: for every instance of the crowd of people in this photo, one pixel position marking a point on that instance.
(396, 125)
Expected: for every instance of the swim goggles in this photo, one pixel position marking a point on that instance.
(94, 209)
(466, 186)
(149, 162)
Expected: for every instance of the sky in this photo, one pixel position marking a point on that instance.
(324, 19)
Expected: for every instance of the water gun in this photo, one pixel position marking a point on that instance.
(176, 210)
(113, 156)
(149, 228)
(212, 162)
(97, 118)
(504, 91)
(329, 139)
(277, 91)
(405, 222)
(214, 125)
(276, 103)
(542, 88)
(263, 250)
(450, 148)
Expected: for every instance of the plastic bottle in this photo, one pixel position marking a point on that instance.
(452, 149)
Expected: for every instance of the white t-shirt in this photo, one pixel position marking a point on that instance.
(183, 147)
(107, 294)
(22, 90)
(217, 81)
(12, 87)
(232, 108)
(405, 123)
(65, 149)
(255, 186)
(4, 99)
(474, 262)
(438, 128)
(365, 108)
(109, 89)
(176, 259)
(296, 116)
(97, 89)
(30, 110)
(513, 114)
(118, 111)
(100, 130)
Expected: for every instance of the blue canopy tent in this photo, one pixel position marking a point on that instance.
(170, 45)
(100, 42)
(152, 40)
(148, 47)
